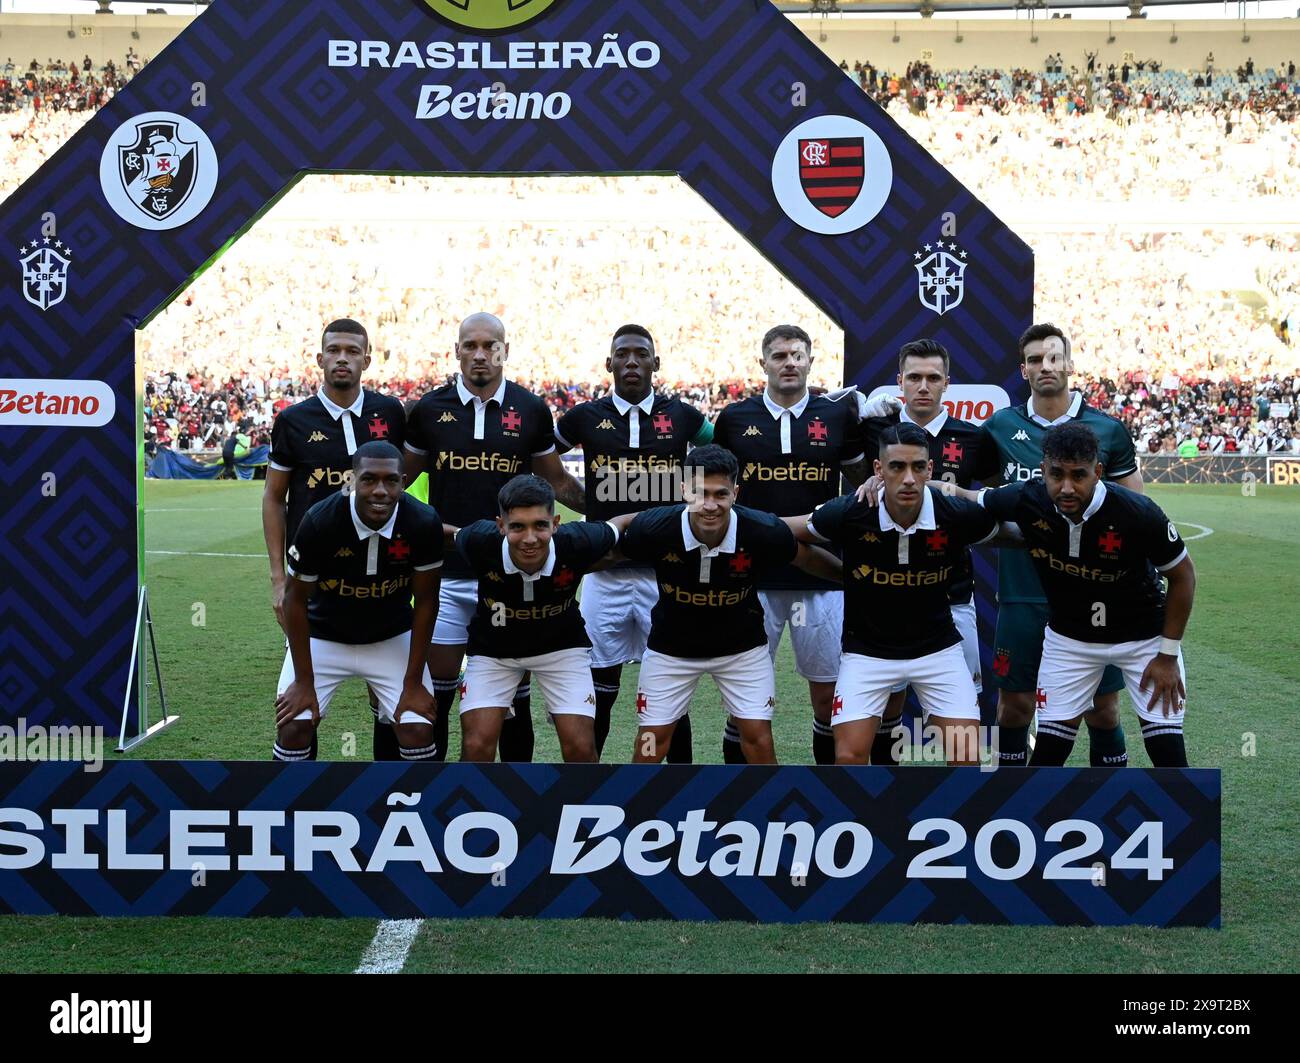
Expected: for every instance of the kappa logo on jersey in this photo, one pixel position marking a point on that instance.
(590, 699)
(663, 424)
(941, 276)
(771, 702)
(495, 577)
(158, 170)
(672, 559)
(1042, 525)
(345, 551)
(378, 428)
(490, 16)
(870, 537)
(511, 421)
(446, 417)
(1002, 663)
(817, 431)
(1110, 543)
(1021, 437)
(740, 564)
(752, 431)
(832, 174)
(317, 437)
(606, 424)
(45, 272)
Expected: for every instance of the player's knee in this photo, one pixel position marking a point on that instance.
(1104, 712)
(852, 753)
(414, 735)
(1015, 708)
(579, 749)
(478, 748)
(296, 734)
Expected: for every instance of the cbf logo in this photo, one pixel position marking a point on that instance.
(941, 276)
(832, 174)
(158, 171)
(45, 272)
(490, 15)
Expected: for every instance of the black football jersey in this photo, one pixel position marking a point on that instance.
(363, 582)
(472, 451)
(310, 445)
(708, 605)
(795, 475)
(621, 477)
(896, 584)
(955, 451)
(1102, 575)
(520, 616)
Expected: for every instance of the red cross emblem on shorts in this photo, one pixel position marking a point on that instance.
(817, 429)
(1040, 698)
(640, 701)
(663, 424)
(837, 706)
(953, 451)
(937, 540)
(563, 578)
(511, 421)
(1002, 663)
(739, 564)
(463, 687)
(378, 428)
(399, 550)
(1110, 543)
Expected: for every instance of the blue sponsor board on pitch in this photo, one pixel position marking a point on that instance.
(782, 844)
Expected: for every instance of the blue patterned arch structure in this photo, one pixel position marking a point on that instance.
(730, 80)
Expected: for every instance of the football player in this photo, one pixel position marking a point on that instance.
(708, 554)
(473, 436)
(313, 443)
(356, 561)
(633, 442)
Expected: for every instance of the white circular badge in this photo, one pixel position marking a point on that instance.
(832, 174)
(158, 170)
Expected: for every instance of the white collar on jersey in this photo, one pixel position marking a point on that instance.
(795, 411)
(363, 530)
(1075, 405)
(622, 405)
(1098, 497)
(467, 396)
(512, 569)
(335, 410)
(925, 522)
(727, 546)
(934, 427)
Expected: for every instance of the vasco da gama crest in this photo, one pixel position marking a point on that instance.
(160, 169)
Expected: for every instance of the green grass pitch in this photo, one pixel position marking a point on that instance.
(221, 652)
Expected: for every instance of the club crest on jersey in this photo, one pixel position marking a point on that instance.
(511, 421)
(953, 451)
(663, 424)
(378, 428)
(399, 550)
(817, 431)
(563, 577)
(45, 272)
(937, 540)
(740, 564)
(752, 431)
(831, 172)
(940, 276)
(1110, 543)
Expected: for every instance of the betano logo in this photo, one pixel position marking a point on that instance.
(967, 402)
(56, 403)
(490, 16)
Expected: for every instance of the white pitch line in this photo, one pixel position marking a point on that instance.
(392, 943)
(204, 509)
(199, 553)
(1200, 535)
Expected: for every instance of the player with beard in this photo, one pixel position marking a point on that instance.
(473, 436)
(923, 367)
(313, 443)
(792, 447)
(357, 560)
(633, 442)
(1011, 451)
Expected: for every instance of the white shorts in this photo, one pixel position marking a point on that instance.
(746, 681)
(1070, 671)
(457, 600)
(615, 606)
(968, 628)
(563, 675)
(381, 664)
(941, 680)
(963, 618)
(816, 620)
